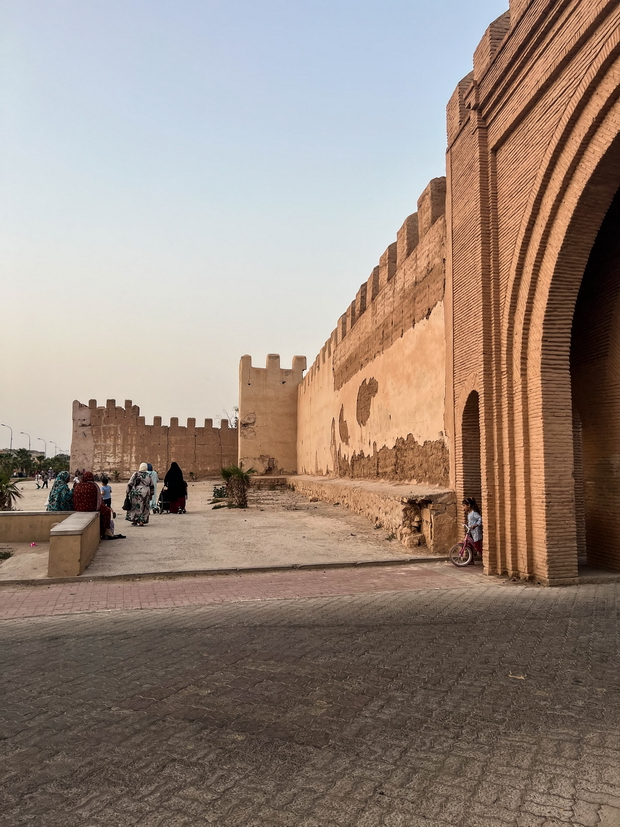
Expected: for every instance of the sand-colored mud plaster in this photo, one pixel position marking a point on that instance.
(381, 375)
(268, 414)
(402, 437)
(117, 439)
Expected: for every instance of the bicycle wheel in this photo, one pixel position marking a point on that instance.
(460, 554)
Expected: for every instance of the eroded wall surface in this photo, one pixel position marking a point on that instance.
(117, 439)
(372, 404)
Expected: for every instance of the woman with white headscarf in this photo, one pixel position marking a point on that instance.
(140, 489)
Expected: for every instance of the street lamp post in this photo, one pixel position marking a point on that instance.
(11, 430)
(55, 447)
(44, 441)
(28, 435)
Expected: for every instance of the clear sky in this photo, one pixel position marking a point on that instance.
(186, 181)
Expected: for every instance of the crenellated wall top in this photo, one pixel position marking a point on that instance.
(416, 227)
(111, 413)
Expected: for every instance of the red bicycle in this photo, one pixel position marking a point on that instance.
(462, 554)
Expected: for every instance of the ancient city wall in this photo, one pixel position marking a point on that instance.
(372, 404)
(268, 414)
(117, 439)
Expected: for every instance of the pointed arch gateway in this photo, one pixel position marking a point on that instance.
(558, 447)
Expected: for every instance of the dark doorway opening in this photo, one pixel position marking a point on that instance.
(470, 434)
(595, 384)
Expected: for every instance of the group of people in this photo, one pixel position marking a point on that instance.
(85, 496)
(141, 495)
(140, 499)
(43, 479)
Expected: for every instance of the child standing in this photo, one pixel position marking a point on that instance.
(106, 492)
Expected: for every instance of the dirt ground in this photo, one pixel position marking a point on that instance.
(279, 528)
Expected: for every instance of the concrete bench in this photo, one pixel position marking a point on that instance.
(73, 544)
(73, 536)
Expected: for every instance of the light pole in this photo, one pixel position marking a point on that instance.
(28, 435)
(11, 430)
(55, 447)
(44, 441)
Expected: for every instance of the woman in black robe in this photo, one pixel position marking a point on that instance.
(175, 489)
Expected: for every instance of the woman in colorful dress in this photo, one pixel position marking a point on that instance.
(61, 497)
(140, 490)
(87, 497)
(176, 489)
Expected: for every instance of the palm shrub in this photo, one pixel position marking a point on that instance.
(237, 482)
(9, 492)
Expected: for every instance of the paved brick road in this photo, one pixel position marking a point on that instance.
(106, 595)
(481, 706)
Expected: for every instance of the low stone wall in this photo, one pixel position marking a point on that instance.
(73, 544)
(417, 515)
(29, 526)
(73, 536)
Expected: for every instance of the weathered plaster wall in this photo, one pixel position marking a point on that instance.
(268, 414)
(113, 438)
(372, 404)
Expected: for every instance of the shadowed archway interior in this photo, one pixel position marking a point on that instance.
(595, 380)
(472, 477)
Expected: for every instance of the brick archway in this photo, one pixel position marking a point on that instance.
(575, 193)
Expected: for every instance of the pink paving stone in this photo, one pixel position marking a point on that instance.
(100, 596)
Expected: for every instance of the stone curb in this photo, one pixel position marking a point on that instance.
(170, 575)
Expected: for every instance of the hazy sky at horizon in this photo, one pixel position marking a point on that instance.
(186, 181)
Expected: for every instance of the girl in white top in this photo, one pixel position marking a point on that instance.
(474, 523)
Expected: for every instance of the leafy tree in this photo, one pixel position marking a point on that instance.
(9, 492)
(237, 483)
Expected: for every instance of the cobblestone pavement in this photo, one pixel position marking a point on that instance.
(481, 706)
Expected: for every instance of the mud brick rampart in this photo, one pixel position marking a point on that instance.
(372, 404)
(483, 352)
(117, 439)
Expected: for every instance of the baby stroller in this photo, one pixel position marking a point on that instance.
(163, 503)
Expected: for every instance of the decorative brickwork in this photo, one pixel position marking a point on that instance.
(532, 167)
(113, 439)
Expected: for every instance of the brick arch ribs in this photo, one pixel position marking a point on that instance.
(576, 189)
